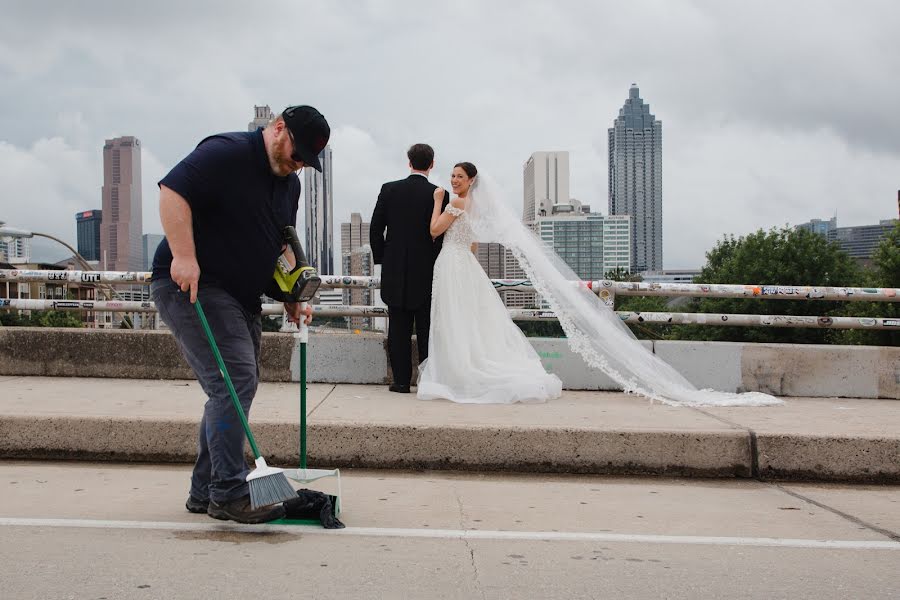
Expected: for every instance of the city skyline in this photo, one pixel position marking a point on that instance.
(751, 141)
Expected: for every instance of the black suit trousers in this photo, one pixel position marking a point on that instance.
(400, 329)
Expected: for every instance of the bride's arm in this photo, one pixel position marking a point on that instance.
(474, 247)
(440, 221)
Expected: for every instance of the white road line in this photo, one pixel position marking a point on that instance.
(468, 534)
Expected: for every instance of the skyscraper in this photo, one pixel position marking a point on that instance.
(635, 179)
(88, 224)
(357, 259)
(121, 228)
(492, 258)
(546, 183)
(319, 209)
(591, 244)
(354, 234)
(262, 116)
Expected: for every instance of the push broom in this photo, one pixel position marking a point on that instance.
(268, 485)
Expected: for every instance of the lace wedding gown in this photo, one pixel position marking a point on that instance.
(476, 354)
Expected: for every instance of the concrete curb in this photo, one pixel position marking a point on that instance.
(715, 453)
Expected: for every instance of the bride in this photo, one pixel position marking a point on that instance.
(476, 354)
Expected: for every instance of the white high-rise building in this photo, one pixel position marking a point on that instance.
(319, 210)
(546, 183)
(635, 179)
(15, 250)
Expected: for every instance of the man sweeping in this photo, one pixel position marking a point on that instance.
(223, 209)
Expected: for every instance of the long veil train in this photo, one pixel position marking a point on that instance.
(593, 329)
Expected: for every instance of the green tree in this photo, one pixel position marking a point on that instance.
(635, 304)
(41, 318)
(887, 259)
(541, 328)
(884, 273)
(785, 257)
(270, 323)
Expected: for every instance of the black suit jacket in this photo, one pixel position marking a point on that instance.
(407, 253)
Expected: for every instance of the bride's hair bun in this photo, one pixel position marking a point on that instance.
(468, 167)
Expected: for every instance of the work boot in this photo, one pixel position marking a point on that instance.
(196, 506)
(239, 510)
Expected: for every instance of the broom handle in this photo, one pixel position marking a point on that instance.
(304, 337)
(303, 405)
(224, 371)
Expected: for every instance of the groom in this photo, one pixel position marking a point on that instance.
(406, 256)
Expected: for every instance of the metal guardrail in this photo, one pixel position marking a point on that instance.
(602, 287)
(733, 320)
(606, 289)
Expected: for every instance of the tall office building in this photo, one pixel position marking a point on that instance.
(635, 179)
(149, 242)
(88, 224)
(492, 258)
(16, 250)
(120, 231)
(819, 226)
(861, 241)
(261, 117)
(360, 263)
(319, 209)
(357, 259)
(354, 234)
(546, 183)
(591, 244)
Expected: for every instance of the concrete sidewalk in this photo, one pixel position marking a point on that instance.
(367, 426)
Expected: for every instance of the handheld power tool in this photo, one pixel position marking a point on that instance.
(296, 280)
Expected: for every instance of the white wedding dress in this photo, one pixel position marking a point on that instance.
(476, 354)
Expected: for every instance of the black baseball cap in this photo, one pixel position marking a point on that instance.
(310, 133)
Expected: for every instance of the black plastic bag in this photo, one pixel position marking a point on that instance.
(310, 504)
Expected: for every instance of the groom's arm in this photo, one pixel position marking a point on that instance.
(377, 227)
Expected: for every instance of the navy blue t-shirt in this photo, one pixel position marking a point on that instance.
(239, 210)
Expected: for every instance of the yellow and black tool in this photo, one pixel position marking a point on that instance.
(296, 280)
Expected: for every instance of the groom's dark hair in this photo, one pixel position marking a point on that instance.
(420, 156)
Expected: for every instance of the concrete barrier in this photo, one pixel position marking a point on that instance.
(780, 369)
(807, 370)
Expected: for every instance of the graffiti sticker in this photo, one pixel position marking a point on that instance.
(66, 304)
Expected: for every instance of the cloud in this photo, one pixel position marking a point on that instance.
(785, 109)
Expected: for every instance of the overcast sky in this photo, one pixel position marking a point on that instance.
(773, 112)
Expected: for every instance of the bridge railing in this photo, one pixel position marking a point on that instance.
(607, 290)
